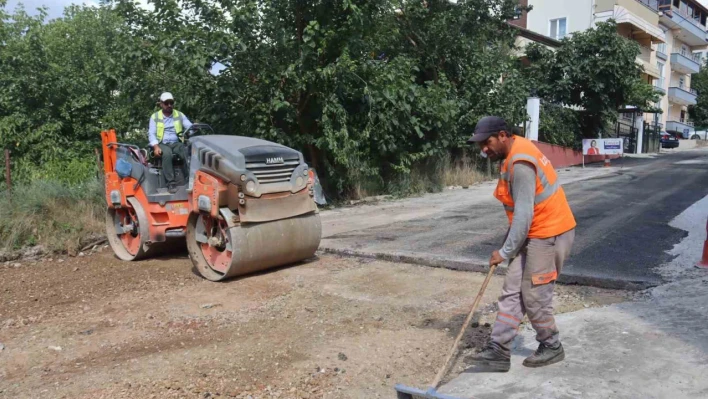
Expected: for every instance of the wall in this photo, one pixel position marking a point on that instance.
(523, 21)
(562, 157)
(578, 14)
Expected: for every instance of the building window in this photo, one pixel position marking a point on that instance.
(661, 48)
(517, 13)
(660, 82)
(557, 28)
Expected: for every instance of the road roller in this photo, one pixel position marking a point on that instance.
(242, 204)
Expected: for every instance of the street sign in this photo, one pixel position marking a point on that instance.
(602, 146)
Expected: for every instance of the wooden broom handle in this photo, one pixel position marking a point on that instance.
(453, 351)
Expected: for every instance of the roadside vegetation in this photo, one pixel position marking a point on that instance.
(380, 96)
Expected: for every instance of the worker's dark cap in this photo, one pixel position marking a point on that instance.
(486, 127)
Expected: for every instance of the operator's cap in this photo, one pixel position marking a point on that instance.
(486, 127)
(166, 96)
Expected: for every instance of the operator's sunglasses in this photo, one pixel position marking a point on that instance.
(169, 103)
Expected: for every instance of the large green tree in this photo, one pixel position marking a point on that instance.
(64, 80)
(595, 71)
(365, 89)
(699, 112)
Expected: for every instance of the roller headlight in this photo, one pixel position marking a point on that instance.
(251, 186)
(299, 181)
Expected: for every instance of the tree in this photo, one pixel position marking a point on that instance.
(594, 70)
(365, 89)
(699, 112)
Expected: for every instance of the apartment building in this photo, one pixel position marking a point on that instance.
(671, 34)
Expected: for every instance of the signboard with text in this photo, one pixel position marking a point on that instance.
(602, 146)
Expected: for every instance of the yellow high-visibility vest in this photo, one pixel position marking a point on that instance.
(159, 119)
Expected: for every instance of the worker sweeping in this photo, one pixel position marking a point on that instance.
(539, 240)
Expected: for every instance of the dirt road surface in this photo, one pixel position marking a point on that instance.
(95, 327)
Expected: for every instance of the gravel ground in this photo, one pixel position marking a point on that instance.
(95, 327)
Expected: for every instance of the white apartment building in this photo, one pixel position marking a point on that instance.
(671, 33)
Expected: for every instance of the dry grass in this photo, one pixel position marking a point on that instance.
(462, 173)
(51, 214)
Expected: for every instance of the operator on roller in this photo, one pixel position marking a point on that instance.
(165, 135)
(539, 240)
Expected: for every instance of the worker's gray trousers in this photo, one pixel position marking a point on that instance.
(168, 150)
(528, 289)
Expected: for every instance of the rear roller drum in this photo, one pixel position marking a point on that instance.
(220, 251)
(127, 231)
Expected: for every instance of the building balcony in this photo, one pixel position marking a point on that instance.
(684, 63)
(641, 16)
(682, 96)
(682, 127)
(691, 31)
(661, 52)
(644, 59)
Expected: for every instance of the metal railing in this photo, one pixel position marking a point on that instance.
(645, 53)
(653, 4)
(686, 89)
(685, 122)
(684, 14)
(689, 55)
(661, 48)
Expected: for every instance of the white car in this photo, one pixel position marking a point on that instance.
(699, 135)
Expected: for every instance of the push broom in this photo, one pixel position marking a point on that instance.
(405, 392)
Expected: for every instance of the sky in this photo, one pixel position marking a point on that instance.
(56, 7)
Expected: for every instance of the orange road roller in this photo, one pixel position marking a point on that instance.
(242, 204)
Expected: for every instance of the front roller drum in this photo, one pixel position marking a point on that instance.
(127, 231)
(219, 251)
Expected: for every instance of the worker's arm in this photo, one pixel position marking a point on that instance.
(523, 190)
(152, 133)
(185, 122)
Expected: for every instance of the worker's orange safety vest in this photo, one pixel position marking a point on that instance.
(551, 213)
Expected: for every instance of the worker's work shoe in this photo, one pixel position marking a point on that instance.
(493, 357)
(545, 355)
(172, 188)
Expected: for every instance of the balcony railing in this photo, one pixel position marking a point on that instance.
(693, 56)
(661, 48)
(687, 89)
(685, 121)
(645, 53)
(653, 4)
(684, 14)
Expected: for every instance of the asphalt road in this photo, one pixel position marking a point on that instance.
(622, 232)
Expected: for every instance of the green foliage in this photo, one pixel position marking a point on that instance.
(364, 89)
(594, 70)
(699, 112)
(560, 125)
(369, 91)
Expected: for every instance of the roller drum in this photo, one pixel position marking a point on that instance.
(255, 246)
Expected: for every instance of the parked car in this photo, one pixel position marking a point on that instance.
(699, 135)
(668, 141)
